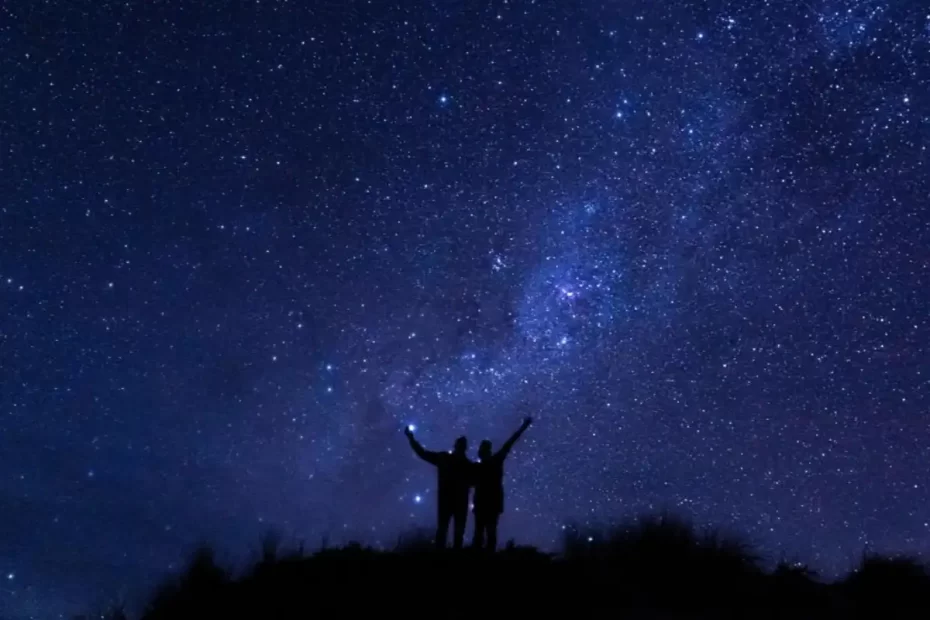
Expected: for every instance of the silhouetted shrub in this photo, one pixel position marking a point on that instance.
(879, 582)
(644, 560)
(197, 591)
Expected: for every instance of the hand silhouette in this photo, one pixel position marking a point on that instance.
(408, 432)
(527, 421)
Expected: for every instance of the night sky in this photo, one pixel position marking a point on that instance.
(243, 244)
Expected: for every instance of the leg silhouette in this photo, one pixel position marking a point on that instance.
(491, 528)
(459, 519)
(480, 527)
(442, 527)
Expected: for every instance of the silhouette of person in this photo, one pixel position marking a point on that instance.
(454, 471)
(489, 488)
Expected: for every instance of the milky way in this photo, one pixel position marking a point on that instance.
(242, 246)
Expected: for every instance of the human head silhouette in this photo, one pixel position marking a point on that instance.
(461, 445)
(484, 450)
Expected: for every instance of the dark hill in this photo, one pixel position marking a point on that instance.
(659, 567)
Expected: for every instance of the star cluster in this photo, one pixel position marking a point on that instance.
(242, 246)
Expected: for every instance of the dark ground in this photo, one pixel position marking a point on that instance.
(659, 567)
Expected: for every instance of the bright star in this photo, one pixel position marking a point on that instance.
(412, 427)
(417, 499)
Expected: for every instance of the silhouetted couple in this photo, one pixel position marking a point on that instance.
(457, 475)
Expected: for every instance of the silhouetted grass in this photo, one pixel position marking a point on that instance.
(880, 581)
(655, 567)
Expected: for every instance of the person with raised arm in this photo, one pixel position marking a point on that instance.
(454, 474)
(489, 488)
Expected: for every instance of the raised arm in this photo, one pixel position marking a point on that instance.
(505, 449)
(430, 457)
